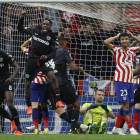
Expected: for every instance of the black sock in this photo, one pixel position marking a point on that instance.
(28, 102)
(69, 111)
(5, 114)
(57, 94)
(66, 117)
(74, 117)
(39, 114)
(122, 124)
(16, 118)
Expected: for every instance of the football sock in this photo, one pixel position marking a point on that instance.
(120, 118)
(122, 124)
(74, 117)
(57, 94)
(5, 114)
(39, 114)
(69, 111)
(35, 117)
(128, 118)
(136, 118)
(88, 119)
(66, 117)
(104, 120)
(28, 102)
(16, 118)
(45, 116)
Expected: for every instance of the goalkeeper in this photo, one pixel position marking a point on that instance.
(96, 115)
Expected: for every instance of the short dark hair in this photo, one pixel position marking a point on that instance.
(123, 34)
(48, 20)
(61, 40)
(101, 90)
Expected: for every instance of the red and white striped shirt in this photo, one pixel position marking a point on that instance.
(40, 79)
(124, 63)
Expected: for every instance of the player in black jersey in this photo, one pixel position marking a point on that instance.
(67, 92)
(6, 86)
(43, 49)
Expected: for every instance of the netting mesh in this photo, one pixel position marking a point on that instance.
(85, 26)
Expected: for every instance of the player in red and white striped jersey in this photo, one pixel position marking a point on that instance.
(123, 77)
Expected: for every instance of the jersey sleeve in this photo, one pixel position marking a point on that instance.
(114, 49)
(109, 108)
(23, 29)
(10, 58)
(134, 49)
(67, 56)
(138, 60)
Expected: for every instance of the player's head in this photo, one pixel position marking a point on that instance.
(124, 39)
(61, 42)
(99, 95)
(46, 25)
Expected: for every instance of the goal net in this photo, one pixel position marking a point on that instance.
(85, 26)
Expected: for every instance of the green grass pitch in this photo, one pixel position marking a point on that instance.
(69, 137)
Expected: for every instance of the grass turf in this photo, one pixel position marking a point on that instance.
(68, 137)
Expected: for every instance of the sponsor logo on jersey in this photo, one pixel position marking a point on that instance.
(48, 37)
(40, 40)
(1, 59)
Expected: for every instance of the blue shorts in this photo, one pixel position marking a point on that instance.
(124, 92)
(38, 93)
(135, 86)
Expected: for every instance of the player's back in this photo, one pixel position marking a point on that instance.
(5, 60)
(62, 57)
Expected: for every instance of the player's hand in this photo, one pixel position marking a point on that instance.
(118, 35)
(81, 70)
(43, 57)
(9, 80)
(23, 14)
(131, 35)
(92, 106)
(104, 106)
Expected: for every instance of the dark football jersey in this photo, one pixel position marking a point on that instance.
(42, 44)
(5, 60)
(62, 58)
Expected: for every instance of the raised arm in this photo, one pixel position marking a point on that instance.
(21, 28)
(25, 44)
(108, 41)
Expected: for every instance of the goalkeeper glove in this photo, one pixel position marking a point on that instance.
(92, 106)
(104, 107)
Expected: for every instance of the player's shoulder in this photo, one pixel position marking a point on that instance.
(86, 105)
(53, 35)
(138, 56)
(3, 52)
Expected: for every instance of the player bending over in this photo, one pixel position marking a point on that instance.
(96, 115)
(124, 76)
(43, 48)
(6, 88)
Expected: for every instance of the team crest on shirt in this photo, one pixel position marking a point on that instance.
(124, 98)
(48, 37)
(129, 53)
(1, 59)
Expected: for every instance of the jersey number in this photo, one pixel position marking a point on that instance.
(51, 64)
(10, 87)
(124, 92)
